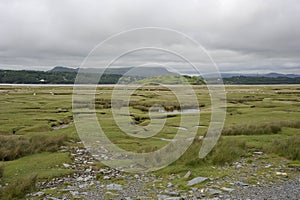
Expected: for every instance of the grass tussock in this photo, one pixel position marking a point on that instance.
(19, 188)
(1, 171)
(13, 147)
(289, 148)
(227, 151)
(260, 129)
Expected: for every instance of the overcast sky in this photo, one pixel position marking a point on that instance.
(241, 35)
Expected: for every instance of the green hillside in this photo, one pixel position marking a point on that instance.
(171, 79)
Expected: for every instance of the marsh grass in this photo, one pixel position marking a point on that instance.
(13, 147)
(255, 116)
(1, 171)
(260, 129)
(227, 151)
(289, 148)
(19, 188)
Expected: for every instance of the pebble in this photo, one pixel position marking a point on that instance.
(187, 175)
(114, 187)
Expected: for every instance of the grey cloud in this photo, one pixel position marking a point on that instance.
(239, 34)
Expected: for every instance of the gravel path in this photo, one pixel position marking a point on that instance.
(289, 190)
(91, 183)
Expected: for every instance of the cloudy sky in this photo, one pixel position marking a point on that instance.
(240, 35)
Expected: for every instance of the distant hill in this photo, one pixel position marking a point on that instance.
(145, 75)
(63, 69)
(52, 77)
(129, 71)
(273, 74)
(170, 79)
(258, 80)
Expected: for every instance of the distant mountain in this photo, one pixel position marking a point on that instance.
(257, 80)
(63, 69)
(270, 75)
(128, 71)
(66, 75)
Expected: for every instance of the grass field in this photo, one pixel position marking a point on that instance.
(36, 121)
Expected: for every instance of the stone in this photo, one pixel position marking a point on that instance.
(227, 189)
(196, 181)
(281, 174)
(162, 196)
(214, 192)
(83, 186)
(114, 187)
(66, 165)
(74, 193)
(188, 174)
(258, 153)
(268, 166)
(88, 170)
(238, 166)
(38, 194)
(239, 183)
(88, 178)
(169, 185)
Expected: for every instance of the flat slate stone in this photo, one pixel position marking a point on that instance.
(196, 180)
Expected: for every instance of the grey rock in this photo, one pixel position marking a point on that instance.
(214, 192)
(227, 189)
(38, 194)
(239, 183)
(162, 196)
(66, 165)
(114, 187)
(74, 193)
(196, 181)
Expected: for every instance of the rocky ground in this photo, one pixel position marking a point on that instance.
(255, 180)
